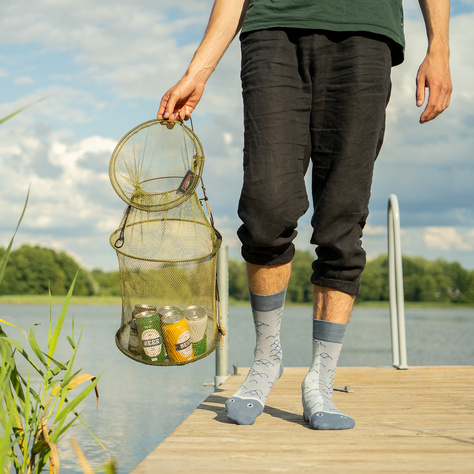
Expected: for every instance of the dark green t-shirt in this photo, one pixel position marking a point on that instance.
(381, 17)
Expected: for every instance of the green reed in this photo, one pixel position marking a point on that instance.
(34, 417)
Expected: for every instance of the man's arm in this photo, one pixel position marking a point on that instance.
(434, 71)
(225, 22)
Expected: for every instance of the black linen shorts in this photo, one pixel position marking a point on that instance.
(311, 95)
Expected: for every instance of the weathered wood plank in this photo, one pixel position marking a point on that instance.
(416, 420)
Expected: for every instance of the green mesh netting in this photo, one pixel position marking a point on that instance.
(166, 247)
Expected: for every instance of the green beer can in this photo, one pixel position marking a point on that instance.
(135, 345)
(149, 330)
(197, 323)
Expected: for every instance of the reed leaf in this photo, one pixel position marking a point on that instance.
(71, 341)
(35, 347)
(53, 341)
(9, 324)
(6, 255)
(86, 468)
(22, 351)
(75, 402)
(27, 443)
(21, 109)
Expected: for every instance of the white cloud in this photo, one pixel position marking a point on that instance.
(131, 46)
(70, 189)
(447, 238)
(373, 231)
(131, 53)
(429, 166)
(24, 80)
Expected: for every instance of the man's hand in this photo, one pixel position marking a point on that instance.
(434, 72)
(179, 102)
(225, 22)
(433, 75)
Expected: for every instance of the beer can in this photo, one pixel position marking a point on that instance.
(149, 330)
(176, 335)
(134, 344)
(196, 317)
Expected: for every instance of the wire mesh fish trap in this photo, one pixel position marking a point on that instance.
(166, 247)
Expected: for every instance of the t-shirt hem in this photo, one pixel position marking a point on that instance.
(397, 44)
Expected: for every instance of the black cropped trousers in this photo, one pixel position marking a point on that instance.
(319, 96)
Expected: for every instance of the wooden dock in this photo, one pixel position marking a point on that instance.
(415, 420)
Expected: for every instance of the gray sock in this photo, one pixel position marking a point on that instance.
(317, 387)
(249, 400)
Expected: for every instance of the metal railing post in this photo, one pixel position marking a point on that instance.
(222, 353)
(395, 277)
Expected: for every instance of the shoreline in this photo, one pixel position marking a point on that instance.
(117, 301)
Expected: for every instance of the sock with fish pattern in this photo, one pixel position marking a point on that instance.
(249, 400)
(317, 387)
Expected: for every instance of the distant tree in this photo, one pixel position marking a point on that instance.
(36, 270)
(108, 282)
(238, 285)
(374, 280)
(300, 289)
(423, 280)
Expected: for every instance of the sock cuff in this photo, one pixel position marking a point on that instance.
(267, 303)
(328, 331)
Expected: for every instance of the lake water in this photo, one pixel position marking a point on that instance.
(141, 405)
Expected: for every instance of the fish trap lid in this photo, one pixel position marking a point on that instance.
(157, 165)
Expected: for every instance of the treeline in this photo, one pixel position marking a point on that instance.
(423, 280)
(36, 270)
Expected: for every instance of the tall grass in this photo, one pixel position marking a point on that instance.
(33, 419)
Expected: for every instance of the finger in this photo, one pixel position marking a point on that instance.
(420, 90)
(162, 107)
(161, 110)
(187, 113)
(435, 104)
(170, 108)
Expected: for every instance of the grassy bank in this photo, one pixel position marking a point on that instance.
(116, 300)
(59, 300)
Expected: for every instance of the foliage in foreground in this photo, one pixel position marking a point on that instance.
(34, 419)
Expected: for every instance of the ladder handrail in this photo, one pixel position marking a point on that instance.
(222, 352)
(395, 277)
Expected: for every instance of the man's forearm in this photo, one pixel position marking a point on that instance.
(436, 16)
(225, 22)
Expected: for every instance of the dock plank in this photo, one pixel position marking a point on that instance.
(415, 420)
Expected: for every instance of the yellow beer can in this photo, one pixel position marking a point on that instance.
(176, 335)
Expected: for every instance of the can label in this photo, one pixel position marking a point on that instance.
(178, 341)
(152, 343)
(134, 341)
(184, 341)
(148, 325)
(196, 317)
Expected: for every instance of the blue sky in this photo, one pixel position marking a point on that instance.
(102, 69)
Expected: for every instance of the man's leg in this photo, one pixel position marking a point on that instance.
(350, 95)
(331, 312)
(267, 286)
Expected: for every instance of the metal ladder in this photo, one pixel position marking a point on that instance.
(395, 278)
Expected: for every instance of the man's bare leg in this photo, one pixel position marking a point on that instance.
(332, 305)
(267, 297)
(331, 312)
(268, 279)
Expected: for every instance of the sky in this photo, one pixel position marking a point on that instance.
(92, 71)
